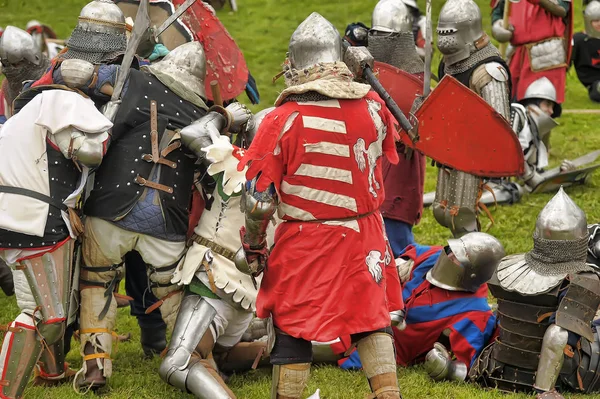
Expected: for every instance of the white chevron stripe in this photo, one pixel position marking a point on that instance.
(324, 172)
(321, 196)
(294, 212)
(328, 125)
(325, 104)
(323, 147)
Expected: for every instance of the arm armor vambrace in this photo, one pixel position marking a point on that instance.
(551, 357)
(553, 8)
(495, 93)
(198, 135)
(259, 208)
(87, 149)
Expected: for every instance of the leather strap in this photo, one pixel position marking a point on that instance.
(143, 182)
(154, 130)
(170, 148)
(34, 194)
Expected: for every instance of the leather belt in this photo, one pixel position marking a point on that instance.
(216, 248)
(34, 194)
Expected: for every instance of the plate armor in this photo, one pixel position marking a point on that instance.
(547, 299)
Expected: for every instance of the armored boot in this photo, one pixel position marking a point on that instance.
(376, 353)
(20, 351)
(289, 380)
(180, 367)
(439, 365)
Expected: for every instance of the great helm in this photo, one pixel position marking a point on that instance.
(100, 34)
(459, 28)
(391, 16)
(187, 65)
(592, 13)
(16, 46)
(315, 41)
(467, 262)
(561, 219)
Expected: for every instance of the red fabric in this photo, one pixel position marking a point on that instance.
(532, 24)
(418, 338)
(404, 185)
(196, 209)
(317, 284)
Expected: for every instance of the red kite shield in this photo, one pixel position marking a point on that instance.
(224, 60)
(457, 128)
(402, 86)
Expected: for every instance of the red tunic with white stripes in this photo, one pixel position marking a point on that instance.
(327, 272)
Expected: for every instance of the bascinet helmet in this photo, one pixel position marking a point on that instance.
(187, 65)
(17, 46)
(560, 240)
(592, 13)
(459, 28)
(100, 34)
(391, 16)
(467, 262)
(542, 89)
(315, 41)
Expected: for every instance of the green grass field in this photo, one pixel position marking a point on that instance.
(262, 29)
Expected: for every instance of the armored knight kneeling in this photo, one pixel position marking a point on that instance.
(547, 299)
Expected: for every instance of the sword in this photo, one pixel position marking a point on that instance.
(141, 25)
(428, 50)
(182, 8)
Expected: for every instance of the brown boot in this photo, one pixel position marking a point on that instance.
(384, 386)
(94, 377)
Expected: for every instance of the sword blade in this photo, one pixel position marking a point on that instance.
(182, 8)
(428, 50)
(142, 23)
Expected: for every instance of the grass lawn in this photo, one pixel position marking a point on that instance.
(262, 29)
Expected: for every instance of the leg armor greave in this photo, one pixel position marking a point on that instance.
(551, 357)
(378, 358)
(179, 368)
(52, 362)
(21, 349)
(455, 205)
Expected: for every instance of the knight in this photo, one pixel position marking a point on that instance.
(316, 160)
(391, 41)
(547, 299)
(21, 61)
(55, 136)
(469, 57)
(586, 51)
(219, 300)
(141, 194)
(539, 33)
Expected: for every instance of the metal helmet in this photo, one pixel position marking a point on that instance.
(541, 88)
(459, 27)
(561, 219)
(411, 3)
(592, 13)
(187, 65)
(100, 34)
(467, 262)
(391, 16)
(315, 40)
(16, 46)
